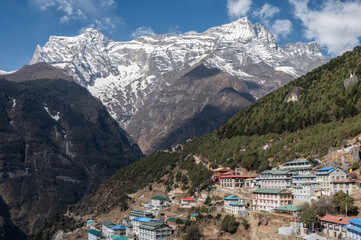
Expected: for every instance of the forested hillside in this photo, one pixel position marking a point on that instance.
(263, 135)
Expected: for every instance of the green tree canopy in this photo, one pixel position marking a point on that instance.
(229, 224)
(344, 203)
(309, 217)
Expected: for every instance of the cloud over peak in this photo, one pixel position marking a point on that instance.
(334, 25)
(142, 31)
(238, 8)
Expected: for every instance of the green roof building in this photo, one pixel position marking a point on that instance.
(154, 230)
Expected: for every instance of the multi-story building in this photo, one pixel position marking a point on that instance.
(347, 186)
(93, 234)
(305, 192)
(278, 179)
(299, 180)
(235, 205)
(354, 229)
(299, 166)
(221, 172)
(154, 231)
(160, 203)
(136, 213)
(136, 222)
(107, 230)
(266, 199)
(334, 226)
(234, 182)
(325, 177)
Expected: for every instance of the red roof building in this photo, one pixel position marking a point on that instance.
(187, 200)
(334, 226)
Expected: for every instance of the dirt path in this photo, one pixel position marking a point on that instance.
(253, 222)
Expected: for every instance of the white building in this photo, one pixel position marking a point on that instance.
(160, 203)
(93, 234)
(299, 180)
(325, 177)
(298, 166)
(276, 179)
(107, 230)
(136, 222)
(187, 201)
(305, 192)
(235, 205)
(154, 231)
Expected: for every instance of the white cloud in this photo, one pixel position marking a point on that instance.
(97, 13)
(191, 32)
(267, 11)
(238, 8)
(142, 31)
(334, 24)
(281, 28)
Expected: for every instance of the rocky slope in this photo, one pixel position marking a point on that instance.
(126, 76)
(56, 143)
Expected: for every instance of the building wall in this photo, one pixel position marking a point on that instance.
(333, 230)
(267, 202)
(324, 181)
(275, 181)
(92, 237)
(232, 183)
(160, 204)
(348, 188)
(304, 193)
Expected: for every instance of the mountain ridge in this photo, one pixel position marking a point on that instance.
(57, 142)
(126, 75)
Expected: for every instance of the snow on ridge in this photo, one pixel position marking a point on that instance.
(289, 70)
(14, 103)
(55, 117)
(118, 73)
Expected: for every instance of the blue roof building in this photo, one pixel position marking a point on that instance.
(325, 176)
(354, 229)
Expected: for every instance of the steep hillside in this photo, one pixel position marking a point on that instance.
(128, 76)
(199, 102)
(56, 143)
(262, 148)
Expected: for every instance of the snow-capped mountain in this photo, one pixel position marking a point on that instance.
(124, 75)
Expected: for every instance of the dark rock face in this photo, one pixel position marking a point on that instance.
(56, 143)
(197, 103)
(8, 230)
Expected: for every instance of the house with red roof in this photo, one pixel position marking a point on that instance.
(234, 182)
(221, 172)
(334, 226)
(187, 201)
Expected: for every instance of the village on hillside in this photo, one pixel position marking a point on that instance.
(286, 192)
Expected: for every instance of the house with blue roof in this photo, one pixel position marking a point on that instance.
(325, 176)
(235, 205)
(354, 229)
(136, 222)
(119, 230)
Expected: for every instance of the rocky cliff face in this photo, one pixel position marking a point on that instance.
(126, 76)
(56, 143)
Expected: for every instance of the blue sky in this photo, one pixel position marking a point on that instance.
(334, 24)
